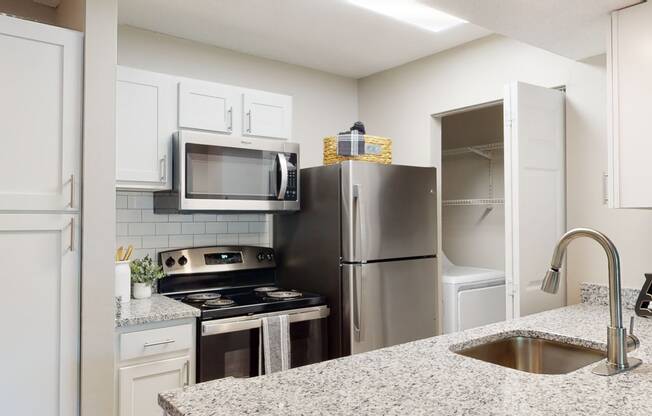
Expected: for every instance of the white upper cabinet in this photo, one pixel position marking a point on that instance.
(145, 122)
(630, 89)
(40, 113)
(266, 115)
(206, 106)
(151, 107)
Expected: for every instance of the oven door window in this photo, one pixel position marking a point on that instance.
(232, 354)
(308, 342)
(216, 172)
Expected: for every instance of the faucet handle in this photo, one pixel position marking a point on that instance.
(631, 325)
(632, 341)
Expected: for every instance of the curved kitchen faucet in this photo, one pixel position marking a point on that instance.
(618, 342)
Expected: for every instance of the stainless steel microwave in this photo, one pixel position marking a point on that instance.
(217, 173)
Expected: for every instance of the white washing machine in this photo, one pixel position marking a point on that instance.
(472, 296)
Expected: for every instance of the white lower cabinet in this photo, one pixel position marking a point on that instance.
(140, 384)
(40, 349)
(153, 358)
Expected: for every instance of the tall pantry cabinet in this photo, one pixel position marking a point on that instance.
(40, 181)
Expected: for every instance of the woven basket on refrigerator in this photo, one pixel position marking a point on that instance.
(385, 156)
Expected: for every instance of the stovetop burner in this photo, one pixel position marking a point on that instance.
(284, 294)
(248, 300)
(202, 297)
(265, 289)
(219, 303)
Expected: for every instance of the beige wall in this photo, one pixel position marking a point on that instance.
(98, 219)
(29, 10)
(323, 103)
(69, 13)
(399, 103)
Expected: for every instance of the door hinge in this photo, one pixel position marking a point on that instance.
(605, 188)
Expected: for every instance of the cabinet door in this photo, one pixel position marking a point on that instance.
(40, 114)
(145, 123)
(630, 88)
(206, 106)
(40, 320)
(141, 384)
(267, 115)
(535, 194)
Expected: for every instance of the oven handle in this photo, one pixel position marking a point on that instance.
(283, 164)
(255, 321)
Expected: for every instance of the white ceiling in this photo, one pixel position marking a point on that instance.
(329, 35)
(576, 29)
(336, 37)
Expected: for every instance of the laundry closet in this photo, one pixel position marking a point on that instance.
(473, 218)
(502, 173)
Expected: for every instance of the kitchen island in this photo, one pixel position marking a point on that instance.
(427, 377)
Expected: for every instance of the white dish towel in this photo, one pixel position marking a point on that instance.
(276, 343)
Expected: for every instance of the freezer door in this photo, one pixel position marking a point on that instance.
(388, 211)
(388, 303)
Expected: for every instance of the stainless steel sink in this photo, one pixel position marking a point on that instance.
(534, 355)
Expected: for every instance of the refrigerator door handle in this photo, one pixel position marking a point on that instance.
(359, 226)
(357, 296)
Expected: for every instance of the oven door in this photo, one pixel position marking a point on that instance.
(230, 174)
(232, 347)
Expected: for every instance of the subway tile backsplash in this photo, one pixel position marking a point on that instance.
(150, 233)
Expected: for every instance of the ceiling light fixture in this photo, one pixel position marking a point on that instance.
(412, 12)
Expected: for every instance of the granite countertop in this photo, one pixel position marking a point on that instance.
(426, 377)
(155, 309)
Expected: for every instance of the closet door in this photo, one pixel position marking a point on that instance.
(40, 114)
(535, 206)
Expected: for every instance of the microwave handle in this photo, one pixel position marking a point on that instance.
(283, 166)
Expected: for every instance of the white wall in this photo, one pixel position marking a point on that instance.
(399, 102)
(324, 104)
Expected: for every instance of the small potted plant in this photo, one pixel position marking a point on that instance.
(144, 273)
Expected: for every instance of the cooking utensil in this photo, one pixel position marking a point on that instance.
(130, 250)
(119, 253)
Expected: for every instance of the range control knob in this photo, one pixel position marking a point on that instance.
(169, 262)
(260, 256)
(270, 256)
(182, 261)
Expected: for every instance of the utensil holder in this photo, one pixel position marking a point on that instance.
(123, 280)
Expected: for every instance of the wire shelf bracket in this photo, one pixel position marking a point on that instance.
(473, 202)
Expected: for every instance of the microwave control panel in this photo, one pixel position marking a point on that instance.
(291, 191)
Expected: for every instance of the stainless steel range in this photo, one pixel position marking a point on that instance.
(235, 287)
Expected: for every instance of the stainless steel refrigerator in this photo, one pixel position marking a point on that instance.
(366, 238)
